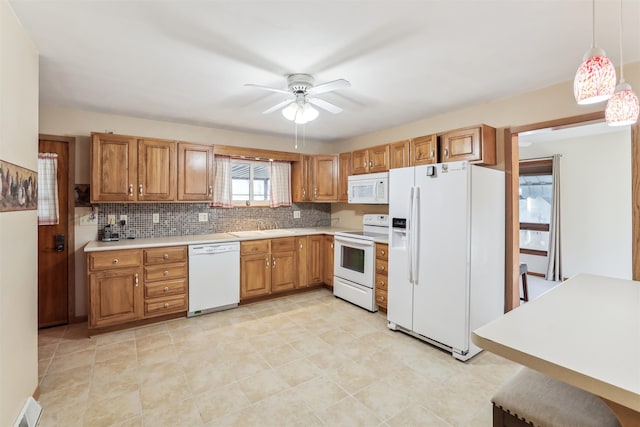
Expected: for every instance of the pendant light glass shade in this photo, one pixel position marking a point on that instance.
(300, 113)
(623, 107)
(595, 79)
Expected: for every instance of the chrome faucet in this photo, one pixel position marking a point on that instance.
(274, 224)
(259, 224)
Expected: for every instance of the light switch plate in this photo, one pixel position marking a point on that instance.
(203, 217)
(156, 218)
(111, 219)
(296, 214)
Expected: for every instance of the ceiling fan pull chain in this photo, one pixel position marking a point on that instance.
(296, 133)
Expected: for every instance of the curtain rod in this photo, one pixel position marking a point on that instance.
(533, 159)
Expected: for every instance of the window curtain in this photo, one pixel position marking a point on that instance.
(222, 190)
(280, 179)
(48, 211)
(554, 266)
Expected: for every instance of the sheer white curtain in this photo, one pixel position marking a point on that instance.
(48, 211)
(280, 178)
(222, 190)
(554, 266)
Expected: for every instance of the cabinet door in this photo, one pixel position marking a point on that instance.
(116, 296)
(315, 259)
(328, 261)
(424, 150)
(301, 179)
(379, 159)
(113, 168)
(195, 172)
(283, 271)
(156, 170)
(301, 262)
(255, 275)
(344, 165)
(399, 154)
(359, 162)
(325, 178)
(461, 145)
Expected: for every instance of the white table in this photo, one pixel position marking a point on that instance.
(585, 332)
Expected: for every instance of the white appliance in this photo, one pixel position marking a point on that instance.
(354, 261)
(446, 253)
(372, 188)
(214, 277)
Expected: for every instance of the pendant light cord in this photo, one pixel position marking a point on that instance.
(621, 61)
(593, 23)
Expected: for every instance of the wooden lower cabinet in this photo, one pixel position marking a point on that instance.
(315, 259)
(165, 281)
(302, 257)
(255, 275)
(382, 271)
(327, 275)
(283, 264)
(115, 297)
(267, 266)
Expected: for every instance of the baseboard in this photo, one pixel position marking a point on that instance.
(531, 273)
(79, 319)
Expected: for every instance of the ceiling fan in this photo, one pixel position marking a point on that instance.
(298, 107)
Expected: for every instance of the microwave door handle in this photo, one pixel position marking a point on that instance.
(375, 191)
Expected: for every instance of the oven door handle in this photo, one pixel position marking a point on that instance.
(357, 243)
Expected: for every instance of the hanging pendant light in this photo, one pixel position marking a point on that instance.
(595, 79)
(623, 107)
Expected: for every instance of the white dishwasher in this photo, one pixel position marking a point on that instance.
(214, 277)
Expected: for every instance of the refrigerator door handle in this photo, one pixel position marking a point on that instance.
(415, 251)
(410, 236)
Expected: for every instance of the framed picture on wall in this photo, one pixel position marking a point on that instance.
(18, 188)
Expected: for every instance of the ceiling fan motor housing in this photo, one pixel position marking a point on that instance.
(299, 83)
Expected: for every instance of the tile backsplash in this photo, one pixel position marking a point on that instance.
(181, 219)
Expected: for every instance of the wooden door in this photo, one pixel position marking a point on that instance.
(379, 159)
(315, 259)
(195, 172)
(344, 165)
(461, 145)
(359, 162)
(116, 297)
(255, 275)
(156, 170)
(55, 257)
(301, 262)
(424, 150)
(113, 168)
(399, 154)
(325, 178)
(301, 179)
(283, 271)
(328, 261)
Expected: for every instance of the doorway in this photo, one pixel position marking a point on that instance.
(56, 288)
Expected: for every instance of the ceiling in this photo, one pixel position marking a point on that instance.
(187, 61)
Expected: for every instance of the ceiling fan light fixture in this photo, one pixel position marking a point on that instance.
(290, 111)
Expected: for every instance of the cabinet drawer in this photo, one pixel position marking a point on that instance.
(381, 266)
(284, 244)
(164, 272)
(381, 298)
(165, 255)
(381, 282)
(114, 259)
(382, 251)
(160, 306)
(254, 247)
(165, 288)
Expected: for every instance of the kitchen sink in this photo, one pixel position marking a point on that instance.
(262, 233)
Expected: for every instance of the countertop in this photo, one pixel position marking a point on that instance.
(96, 245)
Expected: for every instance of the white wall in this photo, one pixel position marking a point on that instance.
(595, 202)
(18, 230)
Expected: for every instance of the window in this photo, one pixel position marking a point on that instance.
(536, 195)
(250, 182)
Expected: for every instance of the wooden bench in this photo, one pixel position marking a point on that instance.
(534, 399)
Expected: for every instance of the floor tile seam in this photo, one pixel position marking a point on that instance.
(340, 400)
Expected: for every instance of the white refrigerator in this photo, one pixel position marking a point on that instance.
(446, 252)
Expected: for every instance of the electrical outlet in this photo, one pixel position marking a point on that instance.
(123, 218)
(111, 219)
(296, 214)
(203, 217)
(156, 218)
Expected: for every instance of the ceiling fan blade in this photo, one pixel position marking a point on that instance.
(329, 86)
(325, 105)
(278, 106)
(271, 89)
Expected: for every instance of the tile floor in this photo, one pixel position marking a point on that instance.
(308, 360)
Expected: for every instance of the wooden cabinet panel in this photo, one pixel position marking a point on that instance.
(381, 298)
(328, 261)
(115, 297)
(165, 272)
(195, 172)
(255, 275)
(475, 144)
(283, 271)
(165, 288)
(165, 255)
(424, 150)
(255, 247)
(113, 259)
(381, 282)
(359, 162)
(315, 259)
(379, 159)
(382, 271)
(344, 166)
(113, 168)
(283, 244)
(399, 154)
(382, 251)
(159, 307)
(301, 179)
(381, 266)
(325, 178)
(156, 170)
(301, 262)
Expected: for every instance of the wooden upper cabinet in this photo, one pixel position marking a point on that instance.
(424, 150)
(370, 160)
(195, 172)
(325, 178)
(344, 162)
(156, 170)
(301, 179)
(359, 162)
(475, 144)
(399, 154)
(113, 168)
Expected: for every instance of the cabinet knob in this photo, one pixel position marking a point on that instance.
(300, 245)
(365, 164)
(446, 152)
(370, 164)
(266, 262)
(381, 282)
(130, 190)
(274, 263)
(136, 280)
(165, 256)
(332, 246)
(166, 305)
(432, 153)
(210, 190)
(382, 267)
(165, 273)
(115, 261)
(140, 189)
(315, 193)
(166, 289)
(304, 192)
(382, 252)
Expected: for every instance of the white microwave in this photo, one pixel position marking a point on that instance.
(372, 188)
